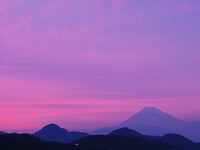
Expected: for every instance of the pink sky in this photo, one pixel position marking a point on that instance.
(87, 64)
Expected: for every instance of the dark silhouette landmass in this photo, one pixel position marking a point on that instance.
(121, 139)
(127, 139)
(126, 132)
(176, 139)
(54, 133)
(116, 142)
(180, 141)
(29, 142)
(1, 132)
(171, 139)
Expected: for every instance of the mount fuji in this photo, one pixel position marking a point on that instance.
(152, 121)
(151, 116)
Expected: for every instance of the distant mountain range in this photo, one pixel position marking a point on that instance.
(54, 133)
(149, 121)
(120, 139)
(125, 138)
(170, 138)
(152, 121)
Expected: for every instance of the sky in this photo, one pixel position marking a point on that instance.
(85, 64)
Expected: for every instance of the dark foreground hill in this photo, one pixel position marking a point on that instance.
(113, 141)
(126, 132)
(1, 132)
(28, 142)
(175, 140)
(54, 133)
(102, 142)
(180, 141)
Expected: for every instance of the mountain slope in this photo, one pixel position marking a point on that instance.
(53, 132)
(152, 121)
(176, 139)
(116, 142)
(98, 142)
(180, 141)
(149, 121)
(126, 132)
(1, 132)
(128, 139)
(151, 116)
(29, 142)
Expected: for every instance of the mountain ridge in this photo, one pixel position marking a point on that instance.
(152, 121)
(54, 133)
(1, 132)
(100, 142)
(147, 122)
(126, 132)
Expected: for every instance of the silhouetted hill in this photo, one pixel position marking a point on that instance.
(54, 133)
(180, 141)
(98, 142)
(1, 132)
(116, 142)
(169, 139)
(28, 142)
(176, 139)
(129, 132)
(126, 132)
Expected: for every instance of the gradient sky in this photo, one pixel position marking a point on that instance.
(85, 64)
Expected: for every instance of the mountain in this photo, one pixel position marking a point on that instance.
(180, 141)
(151, 116)
(152, 121)
(128, 139)
(29, 142)
(149, 120)
(1, 132)
(54, 133)
(117, 142)
(100, 142)
(126, 132)
(176, 139)
(170, 138)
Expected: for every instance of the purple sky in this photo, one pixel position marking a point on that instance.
(89, 63)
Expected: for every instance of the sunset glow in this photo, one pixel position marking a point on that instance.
(88, 64)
